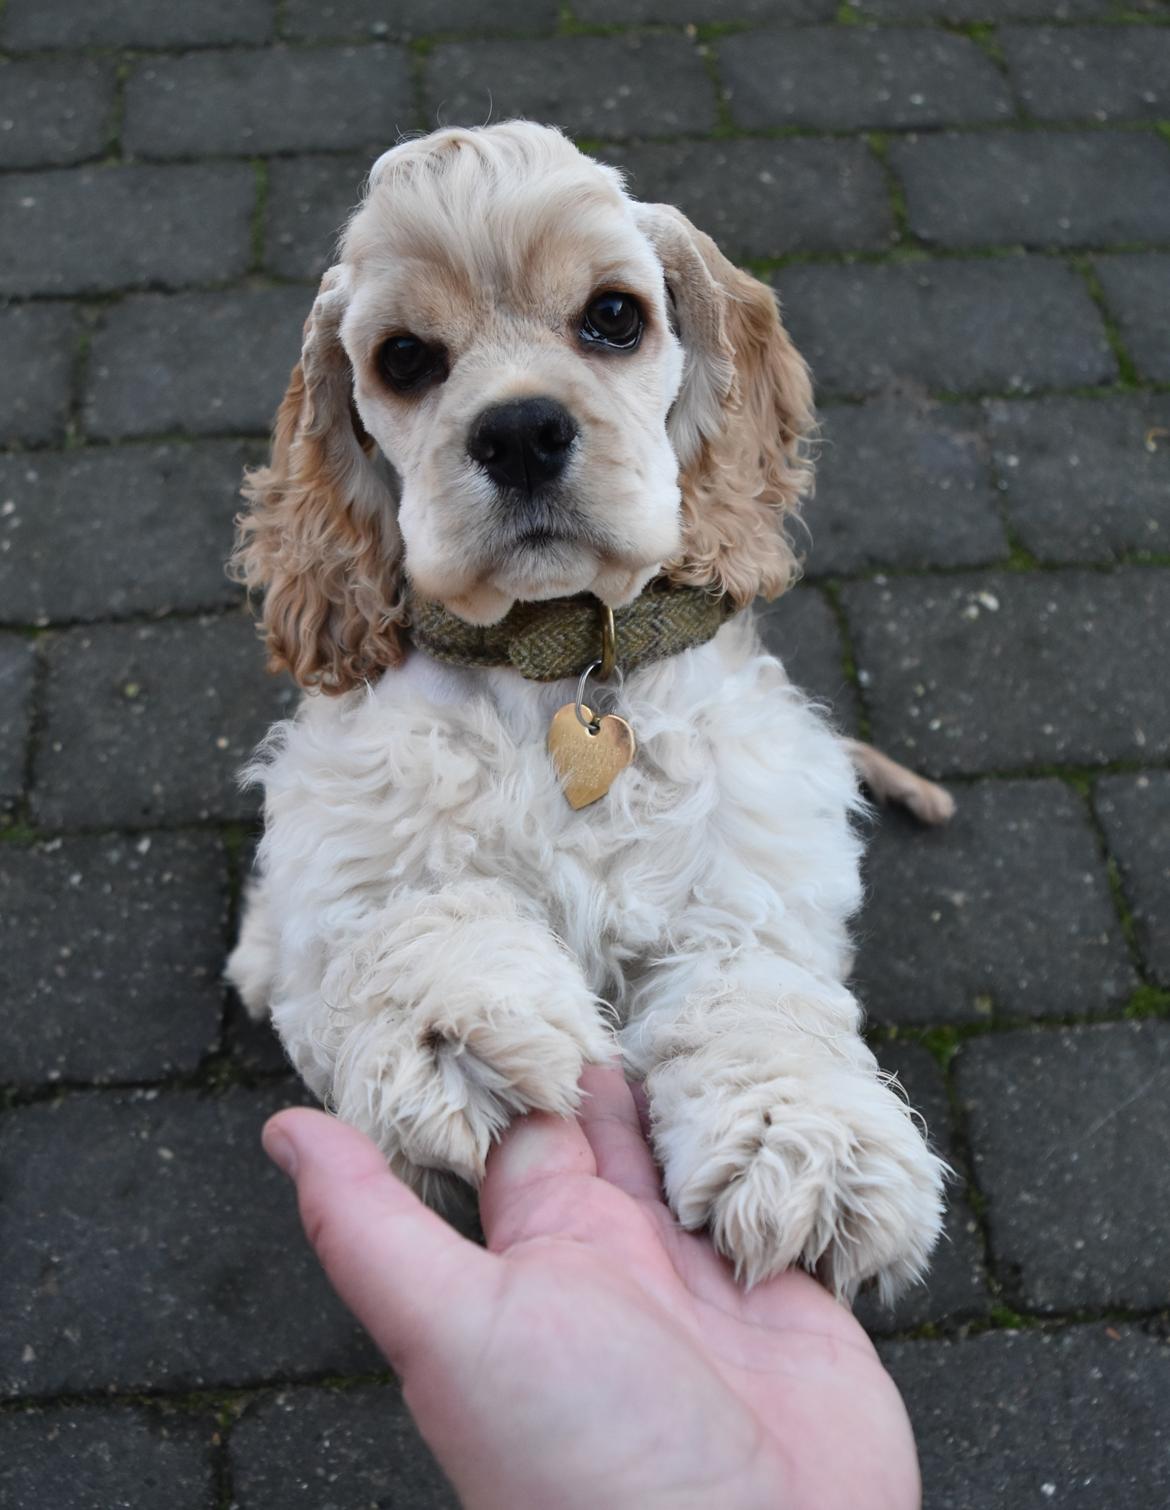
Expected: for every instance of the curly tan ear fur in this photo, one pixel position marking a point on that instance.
(740, 422)
(320, 536)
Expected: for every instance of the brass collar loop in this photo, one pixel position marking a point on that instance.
(608, 643)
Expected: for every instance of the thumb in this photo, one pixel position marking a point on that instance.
(390, 1259)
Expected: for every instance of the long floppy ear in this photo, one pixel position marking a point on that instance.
(741, 420)
(320, 536)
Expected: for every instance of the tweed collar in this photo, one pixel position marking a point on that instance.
(548, 642)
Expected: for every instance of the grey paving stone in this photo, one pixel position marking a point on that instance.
(152, 722)
(1107, 73)
(414, 18)
(1032, 188)
(309, 200)
(625, 12)
(801, 630)
(1010, 323)
(1071, 1137)
(1135, 813)
(904, 484)
(92, 230)
(39, 342)
(1137, 290)
(1013, 1419)
(846, 79)
(1007, 908)
(983, 10)
(996, 671)
(54, 110)
(17, 673)
(149, 1244)
(111, 951)
(1085, 479)
(196, 363)
(105, 1457)
(955, 1287)
(592, 86)
(278, 100)
(117, 530)
(767, 198)
(131, 23)
(316, 1448)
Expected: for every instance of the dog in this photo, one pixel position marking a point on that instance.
(531, 409)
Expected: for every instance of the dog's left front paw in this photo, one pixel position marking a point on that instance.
(819, 1165)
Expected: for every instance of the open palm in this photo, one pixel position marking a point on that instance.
(597, 1353)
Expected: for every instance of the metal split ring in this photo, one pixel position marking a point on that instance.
(603, 667)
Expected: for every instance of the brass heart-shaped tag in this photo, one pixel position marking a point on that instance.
(589, 762)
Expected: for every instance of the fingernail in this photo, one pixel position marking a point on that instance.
(280, 1150)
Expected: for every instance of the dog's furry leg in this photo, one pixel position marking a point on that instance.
(776, 1129)
(891, 782)
(453, 1012)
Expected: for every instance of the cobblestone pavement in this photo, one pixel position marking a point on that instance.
(965, 205)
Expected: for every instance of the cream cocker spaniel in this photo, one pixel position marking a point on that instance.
(518, 387)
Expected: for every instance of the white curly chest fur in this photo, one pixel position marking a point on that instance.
(444, 943)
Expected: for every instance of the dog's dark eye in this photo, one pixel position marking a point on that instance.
(406, 362)
(613, 319)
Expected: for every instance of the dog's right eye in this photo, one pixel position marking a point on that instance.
(406, 362)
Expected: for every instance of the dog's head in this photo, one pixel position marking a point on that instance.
(517, 383)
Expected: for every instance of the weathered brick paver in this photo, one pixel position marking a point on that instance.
(965, 207)
(130, 23)
(164, 226)
(597, 86)
(1135, 814)
(1008, 913)
(308, 201)
(1002, 670)
(991, 325)
(315, 19)
(903, 484)
(286, 100)
(67, 910)
(1075, 1417)
(117, 1457)
(142, 1235)
(1075, 188)
(150, 722)
(768, 198)
(39, 342)
(1137, 289)
(54, 111)
(955, 1289)
(1071, 1135)
(17, 670)
(802, 628)
(1085, 479)
(216, 362)
(90, 533)
(310, 1447)
(849, 80)
(1096, 73)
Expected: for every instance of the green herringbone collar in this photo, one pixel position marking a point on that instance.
(548, 642)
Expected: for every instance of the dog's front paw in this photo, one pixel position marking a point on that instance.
(819, 1164)
(467, 1014)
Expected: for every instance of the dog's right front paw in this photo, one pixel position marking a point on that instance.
(817, 1163)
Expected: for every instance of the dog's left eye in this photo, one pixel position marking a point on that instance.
(406, 362)
(613, 319)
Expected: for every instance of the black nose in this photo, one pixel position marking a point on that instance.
(523, 444)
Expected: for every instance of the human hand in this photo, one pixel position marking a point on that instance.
(597, 1353)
